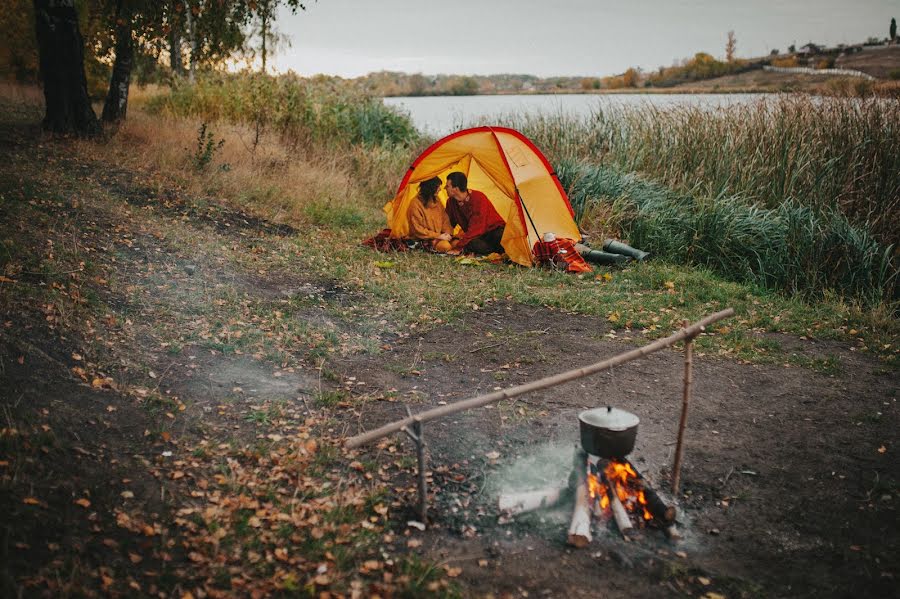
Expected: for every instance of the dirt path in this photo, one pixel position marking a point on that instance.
(203, 342)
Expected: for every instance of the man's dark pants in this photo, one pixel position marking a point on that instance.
(487, 243)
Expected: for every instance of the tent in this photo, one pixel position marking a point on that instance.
(508, 168)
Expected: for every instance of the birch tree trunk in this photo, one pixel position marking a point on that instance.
(192, 34)
(175, 62)
(61, 55)
(116, 104)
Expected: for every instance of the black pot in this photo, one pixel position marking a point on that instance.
(608, 432)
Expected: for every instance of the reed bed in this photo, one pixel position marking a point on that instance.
(841, 154)
(805, 250)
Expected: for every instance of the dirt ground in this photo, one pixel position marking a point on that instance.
(789, 485)
(785, 492)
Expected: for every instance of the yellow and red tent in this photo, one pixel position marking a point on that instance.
(508, 168)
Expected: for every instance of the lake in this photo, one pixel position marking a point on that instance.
(440, 115)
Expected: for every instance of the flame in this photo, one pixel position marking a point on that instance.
(625, 483)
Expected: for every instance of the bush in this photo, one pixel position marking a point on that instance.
(323, 110)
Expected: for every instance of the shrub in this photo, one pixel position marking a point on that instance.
(324, 110)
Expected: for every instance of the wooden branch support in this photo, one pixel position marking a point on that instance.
(686, 398)
(580, 527)
(550, 381)
(687, 333)
(419, 440)
(528, 501)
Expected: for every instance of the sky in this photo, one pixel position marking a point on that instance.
(350, 38)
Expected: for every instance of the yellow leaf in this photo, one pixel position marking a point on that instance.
(670, 285)
(614, 317)
(83, 502)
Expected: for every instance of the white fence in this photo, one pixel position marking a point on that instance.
(808, 71)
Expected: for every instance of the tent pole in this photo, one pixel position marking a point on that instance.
(528, 214)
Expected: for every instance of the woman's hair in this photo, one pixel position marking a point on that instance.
(428, 189)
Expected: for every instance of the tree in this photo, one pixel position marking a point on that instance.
(893, 29)
(61, 57)
(116, 104)
(730, 46)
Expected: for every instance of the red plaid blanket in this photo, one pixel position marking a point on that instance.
(559, 253)
(383, 242)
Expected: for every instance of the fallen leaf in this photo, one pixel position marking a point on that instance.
(413, 543)
(31, 501)
(704, 580)
(384, 264)
(882, 449)
(83, 502)
(20, 359)
(135, 558)
(492, 455)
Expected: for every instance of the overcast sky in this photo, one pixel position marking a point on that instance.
(557, 37)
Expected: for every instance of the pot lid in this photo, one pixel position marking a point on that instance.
(609, 418)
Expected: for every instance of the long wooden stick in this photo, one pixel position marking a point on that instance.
(550, 381)
(686, 398)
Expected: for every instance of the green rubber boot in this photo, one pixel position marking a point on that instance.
(617, 247)
(598, 257)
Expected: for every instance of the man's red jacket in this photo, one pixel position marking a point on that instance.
(476, 217)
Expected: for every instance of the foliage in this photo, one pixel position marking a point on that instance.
(701, 66)
(730, 47)
(319, 110)
(207, 146)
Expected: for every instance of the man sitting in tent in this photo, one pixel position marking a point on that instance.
(482, 227)
(428, 221)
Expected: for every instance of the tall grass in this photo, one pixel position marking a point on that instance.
(840, 154)
(806, 250)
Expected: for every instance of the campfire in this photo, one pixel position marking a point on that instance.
(613, 490)
(608, 488)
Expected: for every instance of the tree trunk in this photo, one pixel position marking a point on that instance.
(61, 52)
(116, 104)
(175, 61)
(192, 33)
(265, 32)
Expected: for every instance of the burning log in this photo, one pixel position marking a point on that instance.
(580, 527)
(655, 505)
(618, 510)
(514, 503)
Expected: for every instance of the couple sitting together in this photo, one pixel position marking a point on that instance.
(482, 228)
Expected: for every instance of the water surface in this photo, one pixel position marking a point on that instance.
(440, 115)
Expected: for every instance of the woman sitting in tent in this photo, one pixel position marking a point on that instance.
(428, 221)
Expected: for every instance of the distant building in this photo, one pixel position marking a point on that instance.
(808, 49)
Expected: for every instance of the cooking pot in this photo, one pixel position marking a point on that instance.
(608, 432)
